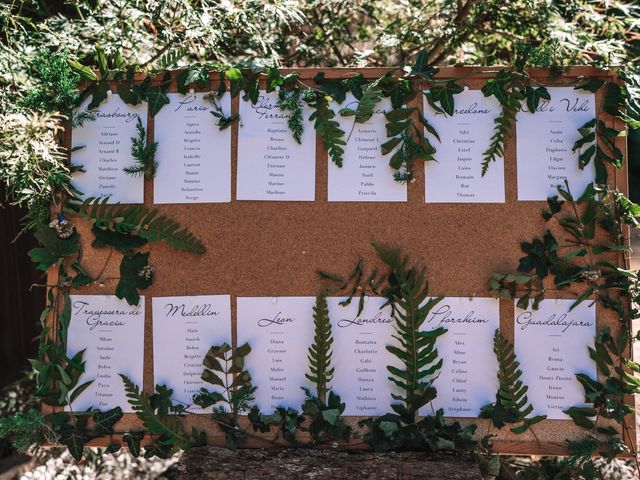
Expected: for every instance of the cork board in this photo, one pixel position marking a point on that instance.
(257, 248)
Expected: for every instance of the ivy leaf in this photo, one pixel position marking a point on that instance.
(128, 94)
(534, 95)
(83, 71)
(590, 84)
(99, 90)
(53, 248)
(130, 279)
(75, 440)
(422, 68)
(104, 421)
(156, 99)
(444, 96)
(124, 243)
(133, 439)
(495, 87)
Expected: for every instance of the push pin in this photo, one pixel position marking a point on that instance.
(109, 93)
(465, 89)
(274, 300)
(192, 91)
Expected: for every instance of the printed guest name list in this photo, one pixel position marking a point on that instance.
(271, 164)
(360, 356)
(112, 334)
(194, 155)
(279, 331)
(545, 142)
(551, 345)
(190, 325)
(456, 175)
(106, 151)
(365, 175)
(467, 380)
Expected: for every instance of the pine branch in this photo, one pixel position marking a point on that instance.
(512, 404)
(407, 293)
(139, 220)
(143, 154)
(321, 372)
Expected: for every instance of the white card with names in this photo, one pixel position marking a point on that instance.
(279, 331)
(468, 379)
(112, 334)
(456, 174)
(271, 164)
(194, 155)
(545, 140)
(551, 346)
(360, 356)
(365, 175)
(106, 151)
(184, 328)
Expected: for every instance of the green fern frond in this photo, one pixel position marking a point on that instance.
(371, 96)
(170, 59)
(167, 427)
(512, 404)
(503, 128)
(144, 155)
(327, 127)
(321, 372)
(290, 101)
(408, 295)
(138, 219)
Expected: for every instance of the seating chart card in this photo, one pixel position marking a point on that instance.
(544, 142)
(360, 356)
(468, 379)
(271, 164)
(551, 345)
(456, 174)
(106, 151)
(184, 328)
(365, 175)
(112, 334)
(279, 331)
(194, 155)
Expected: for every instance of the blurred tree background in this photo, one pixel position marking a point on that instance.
(325, 33)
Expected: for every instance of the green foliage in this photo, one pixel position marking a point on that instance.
(431, 434)
(319, 356)
(224, 120)
(143, 154)
(508, 89)
(511, 405)
(137, 219)
(33, 165)
(324, 418)
(135, 274)
(600, 147)
(326, 126)
(408, 295)
(291, 101)
(161, 418)
(53, 249)
(24, 429)
(234, 394)
(440, 97)
(285, 422)
(57, 90)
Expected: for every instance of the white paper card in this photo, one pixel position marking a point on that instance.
(551, 346)
(545, 140)
(365, 175)
(107, 150)
(456, 175)
(184, 328)
(271, 164)
(194, 155)
(468, 378)
(279, 331)
(360, 357)
(112, 332)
